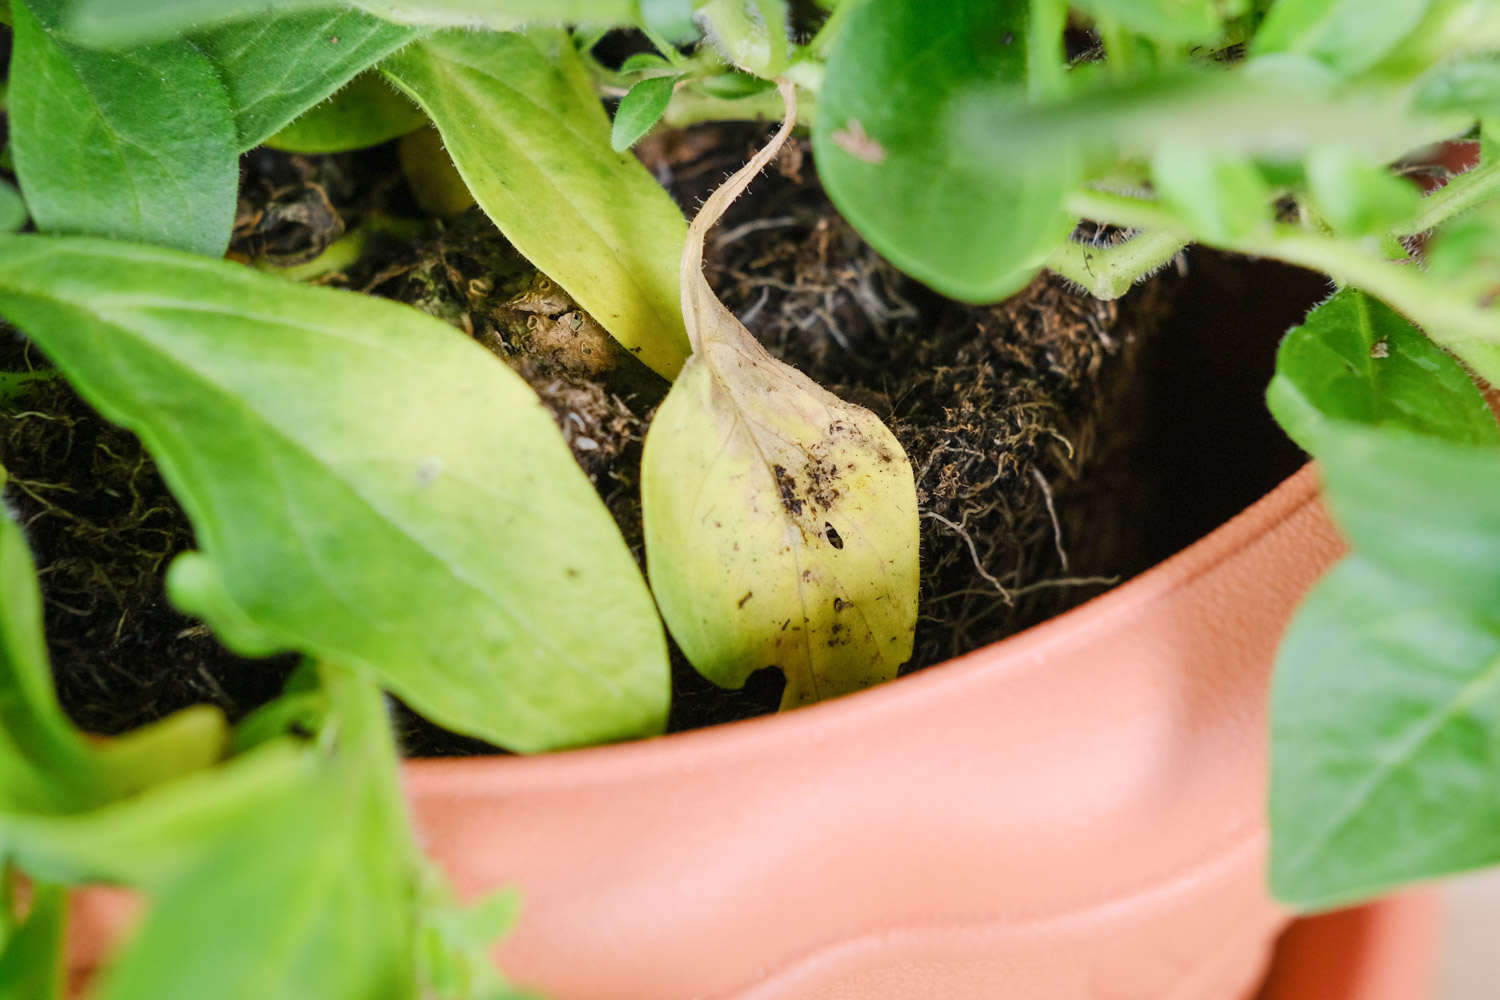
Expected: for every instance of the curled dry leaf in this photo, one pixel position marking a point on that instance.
(780, 520)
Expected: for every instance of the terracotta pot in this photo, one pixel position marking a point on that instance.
(1385, 951)
(1073, 814)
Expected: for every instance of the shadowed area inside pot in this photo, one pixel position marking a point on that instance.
(1060, 444)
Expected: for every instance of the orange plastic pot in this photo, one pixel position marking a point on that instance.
(1075, 813)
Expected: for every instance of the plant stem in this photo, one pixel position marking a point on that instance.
(690, 106)
(1107, 272)
(1460, 194)
(1122, 210)
(1449, 317)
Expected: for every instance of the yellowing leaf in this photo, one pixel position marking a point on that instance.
(780, 520)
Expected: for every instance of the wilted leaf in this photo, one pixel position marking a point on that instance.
(137, 144)
(781, 521)
(525, 128)
(367, 485)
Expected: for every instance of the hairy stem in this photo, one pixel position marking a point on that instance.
(1107, 272)
(1460, 194)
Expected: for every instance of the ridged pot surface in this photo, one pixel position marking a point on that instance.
(1075, 813)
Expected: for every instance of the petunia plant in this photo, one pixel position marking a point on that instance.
(372, 490)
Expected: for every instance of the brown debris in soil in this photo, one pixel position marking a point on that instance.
(103, 529)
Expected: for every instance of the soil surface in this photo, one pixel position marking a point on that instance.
(1023, 420)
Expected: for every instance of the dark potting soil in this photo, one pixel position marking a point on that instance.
(1040, 440)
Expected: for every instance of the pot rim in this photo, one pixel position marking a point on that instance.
(1025, 650)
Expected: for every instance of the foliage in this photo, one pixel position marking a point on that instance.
(376, 493)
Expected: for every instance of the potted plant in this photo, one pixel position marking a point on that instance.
(1075, 812)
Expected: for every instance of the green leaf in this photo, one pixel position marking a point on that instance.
(644, 61)
(1355, 359)
(367, 112)
(1219, 197)
(891, 148)
(310, 897)
(639, 110)
(153, 839)
(13, 212)
(1385, 737)
(671, 19)
(1470, 85)
(1274, 110)
(123, 23)
(525, 128)
(366, 484)
(506, 16)
(1349, 36)
(137, 144)
(277, 67)
(456, 942)
(1356, 197)
(31, 961)
(752, 34)
(1386, 702)
(44, 763)
(780, 521)
(1162, 20)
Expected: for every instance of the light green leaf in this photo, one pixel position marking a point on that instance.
(1219, 197)
(1355, 359)
(456, 942)
(136, 144)
(366, 484)
(124, 23)
(1350, 36)
(507, 15)
(1386, 702)
(1163, 20)
(277, 67)
(639, 110)
(312, 896)
(780, 521)
(365, 113)
(31, 961)
(752, 34)
(13, 213)
(891, 146)
(44, 763)
(1273, 110)
(1471, 85)
(525, 128)
(1385, 738)
(1357, 197)
(671, 19)
(152, 839)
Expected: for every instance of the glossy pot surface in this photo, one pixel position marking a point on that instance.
(1075, 813)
